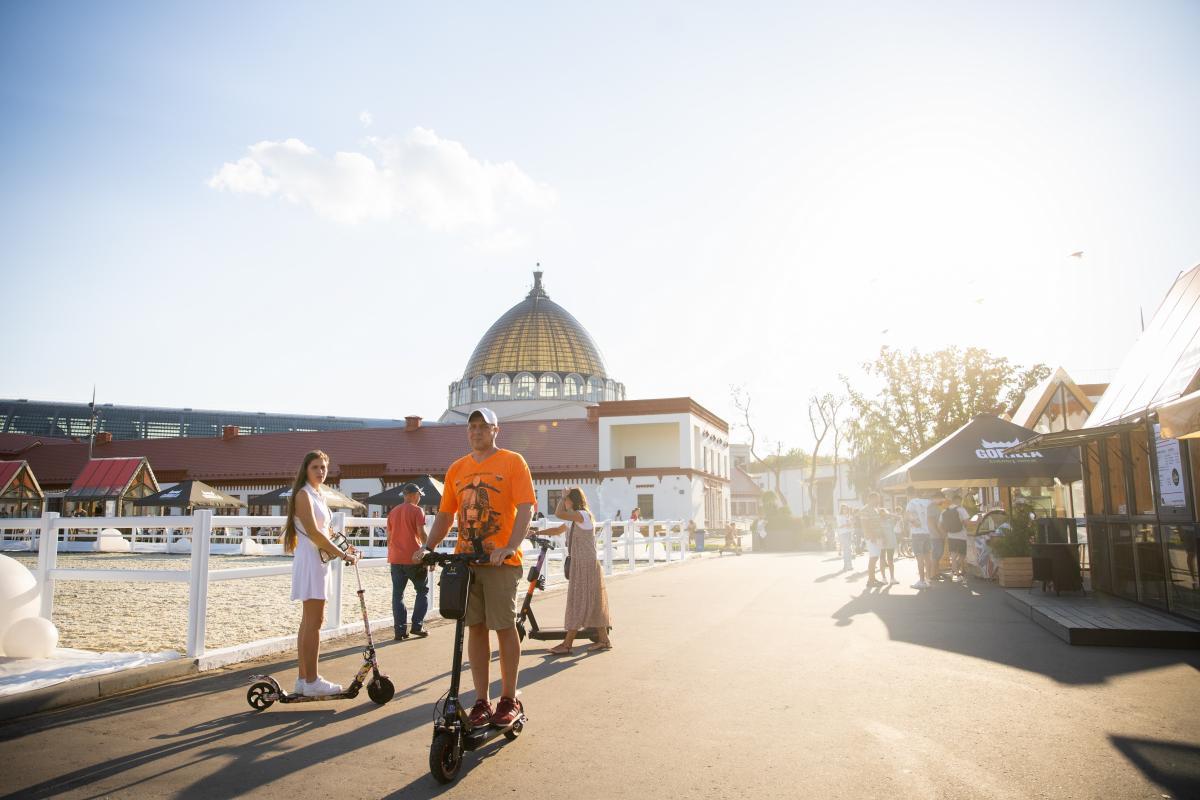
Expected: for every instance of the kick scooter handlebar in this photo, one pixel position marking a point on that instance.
(432, 559)
(541, 541)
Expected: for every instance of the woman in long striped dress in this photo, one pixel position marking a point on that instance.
(587, 600)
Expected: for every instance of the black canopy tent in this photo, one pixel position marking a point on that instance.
(333, 498)
(190, 494)
(974, 456)
(430, 487)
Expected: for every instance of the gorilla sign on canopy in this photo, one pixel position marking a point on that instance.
(974, 456)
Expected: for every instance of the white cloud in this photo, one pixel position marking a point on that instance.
(421, 176)
(366, 118)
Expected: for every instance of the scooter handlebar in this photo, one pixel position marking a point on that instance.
(541, 541)
(433, 559)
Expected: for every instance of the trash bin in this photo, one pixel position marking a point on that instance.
(699, 546)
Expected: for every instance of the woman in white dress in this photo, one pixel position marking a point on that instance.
(306, 535)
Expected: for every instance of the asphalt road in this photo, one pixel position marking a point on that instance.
(734, 677)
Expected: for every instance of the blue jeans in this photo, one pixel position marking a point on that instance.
(401, 575)
(847, 543)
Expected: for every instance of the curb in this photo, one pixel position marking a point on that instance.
(86, 690)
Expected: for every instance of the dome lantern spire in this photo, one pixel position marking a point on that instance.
(537, 290)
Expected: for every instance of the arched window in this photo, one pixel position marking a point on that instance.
(573, 387)
(464, 393)
(524, 387)
(549, 386)
(610, 390)
(479, 389)
(595, 389)
(501, 387)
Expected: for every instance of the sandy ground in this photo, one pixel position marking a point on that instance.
(147, 617)
(764, 676)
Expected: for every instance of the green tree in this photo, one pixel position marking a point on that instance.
(925, 396)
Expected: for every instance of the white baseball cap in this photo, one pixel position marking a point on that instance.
(488, 415)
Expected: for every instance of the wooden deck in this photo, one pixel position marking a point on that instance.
(1102, 620)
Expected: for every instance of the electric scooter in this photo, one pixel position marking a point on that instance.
(537, 580)
(266, 690)
(452, 731)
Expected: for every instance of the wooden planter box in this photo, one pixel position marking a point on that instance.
(1016, 572)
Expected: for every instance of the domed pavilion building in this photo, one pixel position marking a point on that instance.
(535, 362)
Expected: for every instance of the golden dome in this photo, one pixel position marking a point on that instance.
(536, 335)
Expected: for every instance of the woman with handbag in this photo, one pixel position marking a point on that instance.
(587, 600)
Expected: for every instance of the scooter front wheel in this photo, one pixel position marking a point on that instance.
(445, 760)
(515, 731)
(381, 689)
(259, 696)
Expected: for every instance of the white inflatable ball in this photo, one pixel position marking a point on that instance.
(32, 637)
(19, 594)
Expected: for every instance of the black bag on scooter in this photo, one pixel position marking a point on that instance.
(454, 586)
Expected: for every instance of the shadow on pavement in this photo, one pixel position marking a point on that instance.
(1173, 766)
(241, 766)
(972, 619)
(173, 692)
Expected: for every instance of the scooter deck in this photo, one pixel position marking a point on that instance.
(478, 737)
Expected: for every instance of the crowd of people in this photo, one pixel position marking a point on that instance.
(930, 525)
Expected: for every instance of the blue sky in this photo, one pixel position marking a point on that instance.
(738, 193)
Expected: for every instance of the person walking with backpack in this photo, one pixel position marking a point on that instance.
(954, 523)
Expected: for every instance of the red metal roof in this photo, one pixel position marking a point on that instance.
(104, 477)
(560, 447)
(8, 471)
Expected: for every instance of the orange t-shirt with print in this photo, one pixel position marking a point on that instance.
(484, 495)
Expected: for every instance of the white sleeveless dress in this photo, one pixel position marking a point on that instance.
(309, 573)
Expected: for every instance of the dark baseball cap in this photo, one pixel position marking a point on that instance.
(412, 488)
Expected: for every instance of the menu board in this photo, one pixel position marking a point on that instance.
(1172, 492)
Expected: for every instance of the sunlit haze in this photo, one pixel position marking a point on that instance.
(320, 209)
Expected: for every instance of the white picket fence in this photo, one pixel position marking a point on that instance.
(632, 545)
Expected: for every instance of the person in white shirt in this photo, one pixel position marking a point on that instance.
(917, 512)
(954, 522)
(845, 534)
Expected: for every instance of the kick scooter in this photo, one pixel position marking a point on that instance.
(537, 580)
(266, 690)
(452, 731)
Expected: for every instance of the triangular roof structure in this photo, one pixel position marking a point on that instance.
(17, 478)
(974, 456)
(1164, 364)
(1041, 398)
(109, 478)
(741, 484)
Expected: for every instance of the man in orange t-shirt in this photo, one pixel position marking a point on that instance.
(490, 491)
(405, 535)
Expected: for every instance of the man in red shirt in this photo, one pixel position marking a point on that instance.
(406, 533)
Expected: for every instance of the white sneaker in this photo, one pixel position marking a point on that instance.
(894, 582)
(301, 685)
(322, 688)
(921, 585)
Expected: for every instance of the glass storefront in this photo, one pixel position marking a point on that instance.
(1141, 519)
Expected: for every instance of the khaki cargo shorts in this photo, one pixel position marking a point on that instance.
(493, 597)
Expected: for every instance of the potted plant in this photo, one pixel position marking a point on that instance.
(1012, 550)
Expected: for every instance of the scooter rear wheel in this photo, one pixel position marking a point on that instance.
(381, 689)
(259, 696)
(444, 762)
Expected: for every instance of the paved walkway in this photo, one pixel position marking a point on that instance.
(758, 676)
